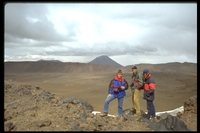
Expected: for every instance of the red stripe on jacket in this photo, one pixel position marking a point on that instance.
(149, 86)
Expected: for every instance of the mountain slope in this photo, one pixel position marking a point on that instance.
(174, 67)
(49, 60)
(53, 67)
(105, 60)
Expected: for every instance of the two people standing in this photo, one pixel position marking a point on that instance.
(146, 82)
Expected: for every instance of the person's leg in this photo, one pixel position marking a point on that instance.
(120, 106)
(106, 103)
(149, 109)
(136, 101)
(133, 100)
(153, 112)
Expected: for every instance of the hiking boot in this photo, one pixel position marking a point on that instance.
(103, 114)
(133, 110)
(137, 114)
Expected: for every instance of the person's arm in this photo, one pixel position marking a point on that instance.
(126, 85)
(140, 80)
(152, 87)
(110, 85)
(152, 84)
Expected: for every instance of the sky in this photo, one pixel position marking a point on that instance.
(129, 33)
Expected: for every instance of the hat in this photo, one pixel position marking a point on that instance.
(119, 71)
(134, 67)
(146, 71)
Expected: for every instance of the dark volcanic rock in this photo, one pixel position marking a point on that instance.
(78, 101)
(191, 105)
(8, 126)
(190, 113)
(75, 126)
(171, 123)
(9, 86)
(46, 95)
(23, 91)
(42, 123)
(7, 115)
(13, 105)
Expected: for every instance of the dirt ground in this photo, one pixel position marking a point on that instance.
(171, 89)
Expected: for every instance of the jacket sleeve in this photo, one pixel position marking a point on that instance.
(126, 85)
(140, 80)
(110, 86)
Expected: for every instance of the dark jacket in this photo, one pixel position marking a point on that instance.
(114, 87)
(149, 88)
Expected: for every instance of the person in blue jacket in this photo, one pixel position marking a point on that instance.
(116, 89)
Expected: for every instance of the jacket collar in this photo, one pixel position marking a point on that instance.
(119, 79)
(148, 76)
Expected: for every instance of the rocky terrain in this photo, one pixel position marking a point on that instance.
(31, 108)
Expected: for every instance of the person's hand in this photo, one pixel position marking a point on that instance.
(131, 85)
(109, 95)
(122, 87)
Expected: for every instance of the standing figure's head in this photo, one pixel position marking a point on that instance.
(134, 69)
(119, 73)
(145, 73)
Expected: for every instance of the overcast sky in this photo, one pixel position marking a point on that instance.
(129, 33)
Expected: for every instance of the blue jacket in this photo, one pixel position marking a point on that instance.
(114, 87)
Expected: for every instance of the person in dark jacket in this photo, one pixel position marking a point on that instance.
(149, 90)
(116, 89)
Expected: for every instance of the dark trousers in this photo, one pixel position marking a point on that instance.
(151, 109)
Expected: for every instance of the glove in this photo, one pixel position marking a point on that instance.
(109, 95)
(122, 87)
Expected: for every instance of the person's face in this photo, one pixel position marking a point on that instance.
(134, 71)
(119, 75)
(144, 75)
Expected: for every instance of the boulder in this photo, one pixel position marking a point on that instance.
(8, 126)
(42, 123)
(170, 123)
(191, 105)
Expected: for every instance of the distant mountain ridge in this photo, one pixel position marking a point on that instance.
(75, 67)
(53, 67)
(105, 60)
(186, 67)
(49, 60)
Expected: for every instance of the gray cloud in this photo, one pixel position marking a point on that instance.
(18, 25)
(163, 29)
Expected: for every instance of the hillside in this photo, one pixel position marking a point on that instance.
(71, 67)
(105, 60)
(184, 68)
(53, 67)
(49, 60)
